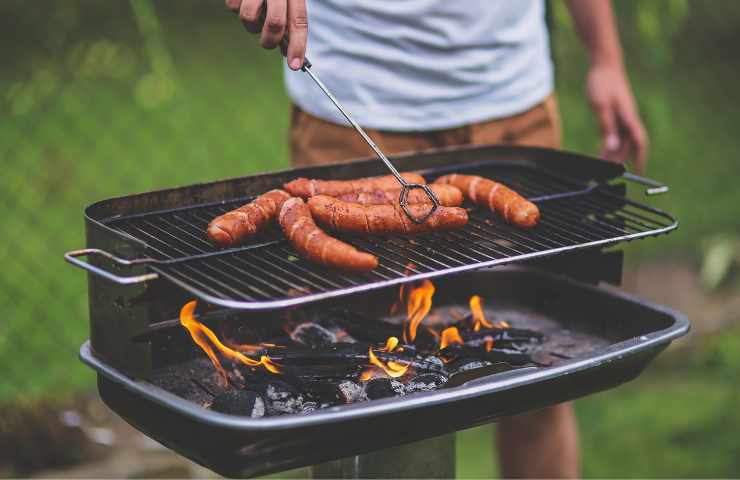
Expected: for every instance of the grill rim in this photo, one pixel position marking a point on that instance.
(475, 388)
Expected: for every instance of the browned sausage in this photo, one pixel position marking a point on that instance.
(315, 245)
(383, 219)
(236, 226)
(447, 195)
(306, 187)
(499, 198)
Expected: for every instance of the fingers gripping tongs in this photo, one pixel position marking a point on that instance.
(406, 187)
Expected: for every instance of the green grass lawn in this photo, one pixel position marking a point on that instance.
(104, 104)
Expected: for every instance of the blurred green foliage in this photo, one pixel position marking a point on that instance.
(99, 99)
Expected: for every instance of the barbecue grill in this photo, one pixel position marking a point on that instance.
(148, 255)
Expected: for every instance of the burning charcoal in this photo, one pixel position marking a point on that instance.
(513, 356)
(323, 391)
(465, 364)
(282, 398)
(425, 383)
(350, 392)
(383, 387)
(502, 336)
(313, 335)
(239, 402)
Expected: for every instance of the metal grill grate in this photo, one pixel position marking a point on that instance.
(268, 274)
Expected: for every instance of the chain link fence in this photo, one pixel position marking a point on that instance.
(99, 99)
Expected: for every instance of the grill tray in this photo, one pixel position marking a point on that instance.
(632, 332)
(578, 211)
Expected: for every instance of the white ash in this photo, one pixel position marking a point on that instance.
(472, 365)
(258, 410)
(282, 401)
(425, 383)
(351, 392)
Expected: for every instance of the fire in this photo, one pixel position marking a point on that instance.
(206, 340)
(478, 316)
(392, 368)
(418, 304)
(450, 335)
(488, 343)
(248, 348)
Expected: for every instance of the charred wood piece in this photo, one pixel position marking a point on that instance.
(506, 336)
(512, 356)
(239, 402)
(313, 335)
(383, 388)
(356, 353)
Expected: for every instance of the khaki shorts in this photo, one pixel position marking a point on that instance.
(314, 141)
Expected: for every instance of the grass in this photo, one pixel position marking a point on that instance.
(109, 102)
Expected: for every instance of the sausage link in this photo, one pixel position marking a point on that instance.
(307, 187)
(315, 245)
(236, 226)
(496, 196)
(383, 219)
(448, 196)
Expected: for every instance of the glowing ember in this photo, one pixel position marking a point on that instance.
(488, 343)
(450, 335)
(206, 340)
(478, 316)
(418, 304)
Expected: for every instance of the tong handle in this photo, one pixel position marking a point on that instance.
(72, 257)
(405, 186)
(655, 188)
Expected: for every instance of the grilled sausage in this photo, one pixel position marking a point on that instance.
(499, 198)
(447, 195)
(315, 245)
(236, 226)
(306, 187)
(383, 219)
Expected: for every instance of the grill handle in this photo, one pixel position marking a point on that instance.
(655, 188)
(72, 257)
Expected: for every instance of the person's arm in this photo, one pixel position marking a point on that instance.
(282, 17)
(608, 88)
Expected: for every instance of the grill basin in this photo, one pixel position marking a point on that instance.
(628, 332)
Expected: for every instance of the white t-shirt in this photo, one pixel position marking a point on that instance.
(419, 65)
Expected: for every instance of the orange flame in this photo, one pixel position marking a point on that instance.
(450, 335)
(478, 316)
(410, 267)
(392, 368)
(418, 304)
(488, 343)
(204, 338)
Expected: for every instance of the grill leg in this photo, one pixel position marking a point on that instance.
(432, 458)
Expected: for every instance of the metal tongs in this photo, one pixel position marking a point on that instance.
(406, 187)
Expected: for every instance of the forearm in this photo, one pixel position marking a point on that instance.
(594, 21)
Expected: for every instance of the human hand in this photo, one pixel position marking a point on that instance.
(611, 98)
(282, 18)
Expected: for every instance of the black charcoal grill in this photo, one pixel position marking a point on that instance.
(149, 255)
